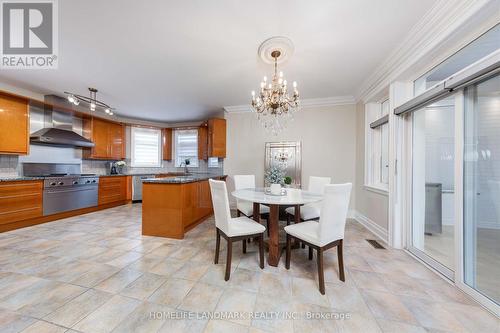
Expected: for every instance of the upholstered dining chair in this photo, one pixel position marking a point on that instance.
(310, 211)
(246, 207)
(232, 229)
(328, 233)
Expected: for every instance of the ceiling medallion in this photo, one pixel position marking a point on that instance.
(273, 103)
(92, 101)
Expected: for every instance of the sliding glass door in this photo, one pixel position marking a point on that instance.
(433, 186)
(481, 190)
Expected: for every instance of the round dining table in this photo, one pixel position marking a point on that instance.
(291, 197)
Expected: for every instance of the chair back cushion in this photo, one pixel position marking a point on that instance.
(221, 204)
(317, 184)
(334, 212)
(244, 181)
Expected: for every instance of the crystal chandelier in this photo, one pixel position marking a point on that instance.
(273, 105)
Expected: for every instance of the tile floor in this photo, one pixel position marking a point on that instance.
(97, 273)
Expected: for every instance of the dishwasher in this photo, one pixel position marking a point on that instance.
(137, 187)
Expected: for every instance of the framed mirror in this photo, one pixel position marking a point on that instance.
(286, 156)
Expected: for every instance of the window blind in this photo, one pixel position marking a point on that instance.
(146, 143)
(186, 147)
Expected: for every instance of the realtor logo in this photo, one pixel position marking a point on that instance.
(29, 34)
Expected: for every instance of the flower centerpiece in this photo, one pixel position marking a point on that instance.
(275, 178)
(119, 166)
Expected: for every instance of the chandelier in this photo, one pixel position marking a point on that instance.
(92, 101)
(273, 104)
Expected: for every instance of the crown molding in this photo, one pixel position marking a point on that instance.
(436, 26)
(328, 101)
(305, 103)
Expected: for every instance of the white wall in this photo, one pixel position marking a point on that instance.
(327, 134)
(372, 206)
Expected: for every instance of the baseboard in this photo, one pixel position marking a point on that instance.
(373, 227)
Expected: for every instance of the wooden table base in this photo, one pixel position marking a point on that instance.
(273, 243)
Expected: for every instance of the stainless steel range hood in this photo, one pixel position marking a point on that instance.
(58, 131)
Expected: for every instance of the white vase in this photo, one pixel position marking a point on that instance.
(276, 189)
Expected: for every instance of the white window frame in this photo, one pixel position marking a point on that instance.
(194, 163)
(373, 148)
(133, 162)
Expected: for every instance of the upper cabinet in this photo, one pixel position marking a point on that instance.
(203, 142)
(217, 137)
(14, 125)
(108, 137)
(167, 143)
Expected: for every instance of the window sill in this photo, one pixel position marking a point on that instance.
(377, 189)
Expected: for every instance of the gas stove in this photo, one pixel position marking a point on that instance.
(52, 181)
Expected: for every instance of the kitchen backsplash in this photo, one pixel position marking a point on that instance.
(10, 166)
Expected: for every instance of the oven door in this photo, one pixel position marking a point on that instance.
(56, 200)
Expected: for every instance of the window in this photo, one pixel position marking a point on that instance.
(377, 145)
(146, 151)
(186, 147)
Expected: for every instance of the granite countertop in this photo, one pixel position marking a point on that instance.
(18, 178)
(191, 178)
(144, 174)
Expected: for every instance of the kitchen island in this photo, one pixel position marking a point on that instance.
(171, 206)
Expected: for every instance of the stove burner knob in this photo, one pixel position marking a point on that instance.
(87, 182)
(53, 184)
(75, 183)
(61, 183)
(94, 181)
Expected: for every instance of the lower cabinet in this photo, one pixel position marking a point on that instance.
(113, 189)
(20, 200)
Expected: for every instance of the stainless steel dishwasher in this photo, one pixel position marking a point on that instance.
(137, 186)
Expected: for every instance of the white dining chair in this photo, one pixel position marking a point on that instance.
(232, 229)
(244, 207)
(328, 233)
(310, 211)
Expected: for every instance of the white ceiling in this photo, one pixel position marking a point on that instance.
(184, 60)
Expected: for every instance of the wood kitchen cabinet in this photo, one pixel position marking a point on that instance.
(108, 137)
(203, 142)
(14, 125)
(217, 137)
(20, 200)
(167, 143)
(113, 189)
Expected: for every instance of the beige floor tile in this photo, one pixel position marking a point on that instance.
(11, 322)
(275, 285)
(384, 305)
(432, 315)
(222, 326)
(106, 317)
(172, 292)
(164, 250)
(192, 271)
(125, 259)
(473, 318)
(309, 319)
(78, 308)
(202, 297)
(345, 297)
(142, 319)
(238, 301)
(98, 273)
(167, 267)
(13, 282)
(45, 327)
(367, 280)
(271, 314)
(245, 279)
(144, 286)
(145, 263)
(115, 283)
(389, 326)
(196, 325)
(307, 291)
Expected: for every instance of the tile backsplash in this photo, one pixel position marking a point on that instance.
(11, 166)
